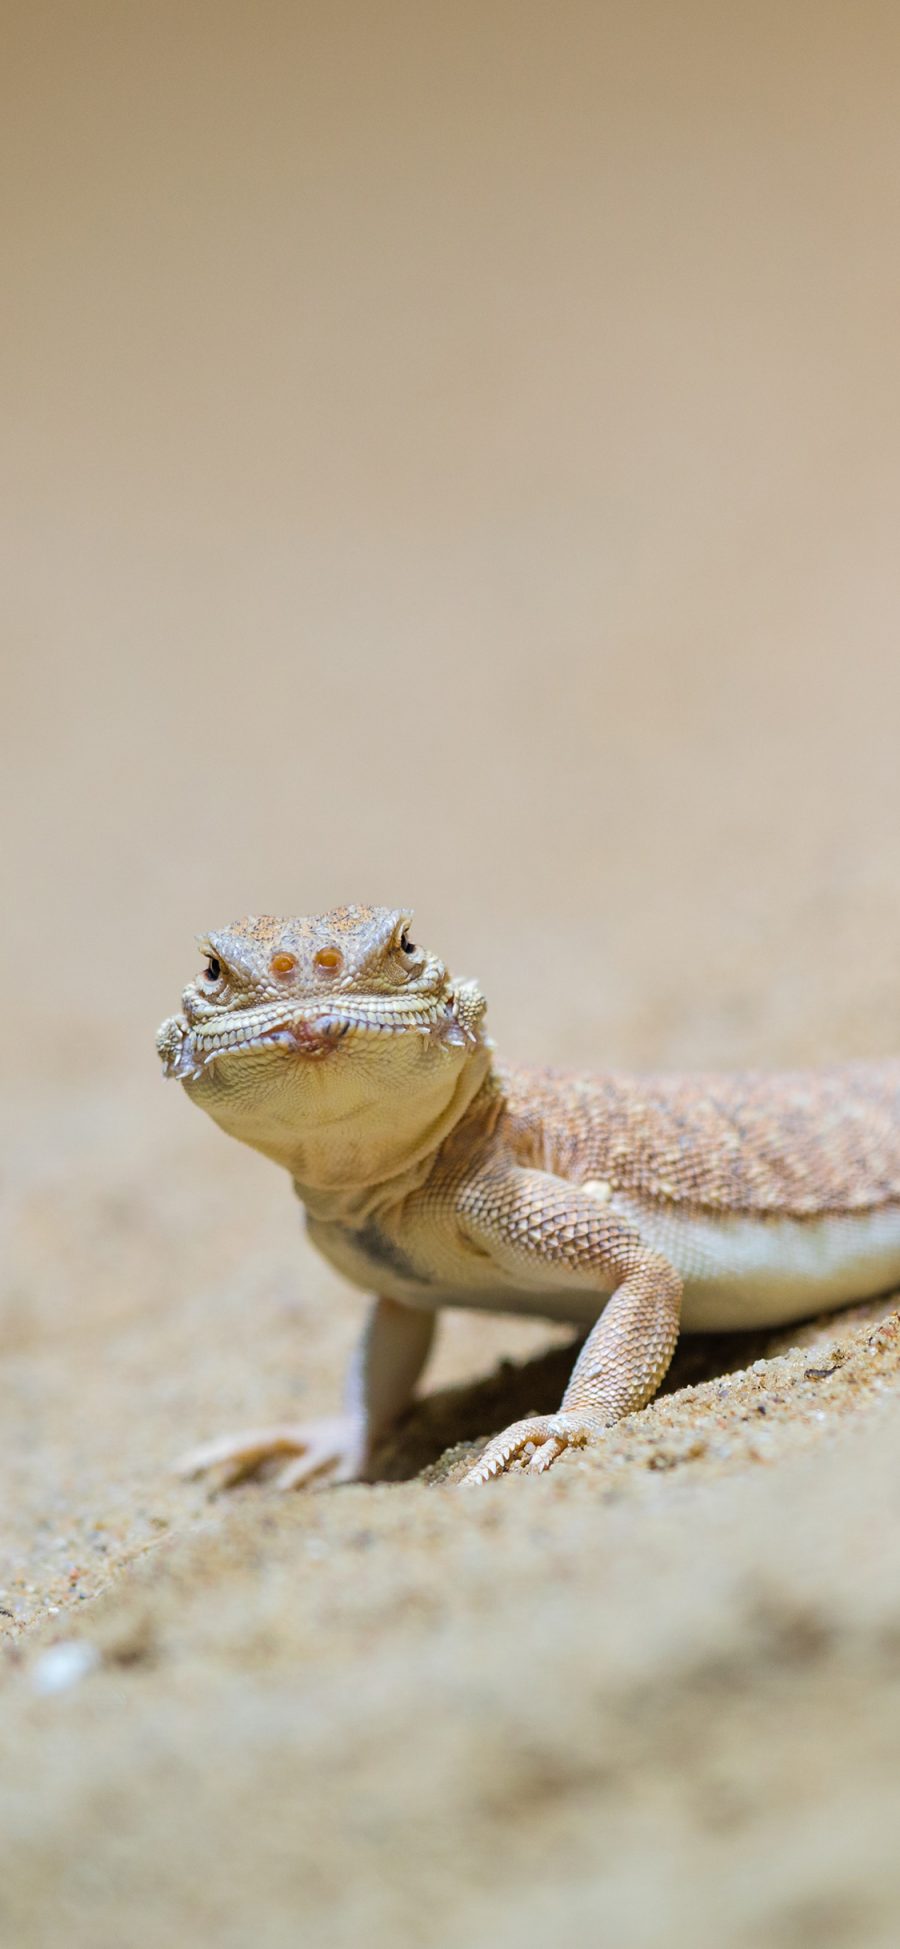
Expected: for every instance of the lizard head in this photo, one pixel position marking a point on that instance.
(295, 1027)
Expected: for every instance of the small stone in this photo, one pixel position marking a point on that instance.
(63, 1665)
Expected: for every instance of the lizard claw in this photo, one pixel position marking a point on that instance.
(334, 1447)
(547, 1435)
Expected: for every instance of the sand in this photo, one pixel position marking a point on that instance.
(447, 460)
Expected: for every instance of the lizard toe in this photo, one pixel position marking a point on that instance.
(334, 1446)
(333, 1453)
(547, 1436)
(545, 1455)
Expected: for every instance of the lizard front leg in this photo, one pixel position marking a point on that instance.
(383, 1372)
(533, 1222)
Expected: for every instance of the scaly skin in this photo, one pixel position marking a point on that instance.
(434, 1176)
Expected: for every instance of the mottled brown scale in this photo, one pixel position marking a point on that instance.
(795, 1143)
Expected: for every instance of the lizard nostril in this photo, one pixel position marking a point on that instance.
(283, 964)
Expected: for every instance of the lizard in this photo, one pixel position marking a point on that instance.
(434, 1174)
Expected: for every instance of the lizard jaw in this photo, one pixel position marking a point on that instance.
(186, 1048)
(185, 1054)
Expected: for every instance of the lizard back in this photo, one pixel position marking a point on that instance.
(796, 1143)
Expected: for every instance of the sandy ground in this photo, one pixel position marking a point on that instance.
(458, 461)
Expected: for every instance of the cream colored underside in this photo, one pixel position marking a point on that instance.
(742, 1272)
(750, 1271)
(738, 1271)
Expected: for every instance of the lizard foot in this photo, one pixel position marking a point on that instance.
(545, 1434)
(334, 1448)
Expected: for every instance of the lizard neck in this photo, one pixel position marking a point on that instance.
(343, 1177)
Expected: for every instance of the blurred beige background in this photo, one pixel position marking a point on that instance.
(450, 455)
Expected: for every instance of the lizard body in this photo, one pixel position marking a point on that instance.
(434, 1175)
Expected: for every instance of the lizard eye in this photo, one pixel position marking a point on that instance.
(406, 945)
(213, 969)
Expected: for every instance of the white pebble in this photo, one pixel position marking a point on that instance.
(63, 1665)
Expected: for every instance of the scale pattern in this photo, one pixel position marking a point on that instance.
(797, 1143)
(621, 1364)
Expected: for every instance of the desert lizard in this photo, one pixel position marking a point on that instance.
(434, 1175)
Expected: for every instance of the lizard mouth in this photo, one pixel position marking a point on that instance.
(186, 1048)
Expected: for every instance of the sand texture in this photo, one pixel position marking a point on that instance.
(450, 457)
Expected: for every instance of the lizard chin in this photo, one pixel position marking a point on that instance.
(320, 1096)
